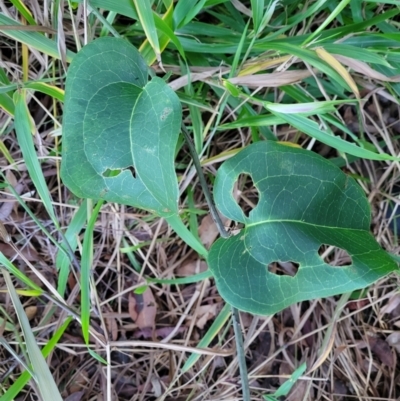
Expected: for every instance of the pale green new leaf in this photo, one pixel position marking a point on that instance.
(304, 202)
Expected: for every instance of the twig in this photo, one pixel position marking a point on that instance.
(224, 234)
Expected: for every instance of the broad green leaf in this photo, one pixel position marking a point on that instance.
(120, 130)
(304, 202)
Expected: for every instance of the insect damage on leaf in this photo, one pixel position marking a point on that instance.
(304, 202)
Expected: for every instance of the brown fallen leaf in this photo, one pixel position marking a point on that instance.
(192, 267)
(9, 202)
(162, 332)
(393, 303)
(382, 350)
(31, 311)
(208, 231)
(29, 253)
(112, 327)
(206, 313)
(143, 309)
(78, 381)
(75, 396)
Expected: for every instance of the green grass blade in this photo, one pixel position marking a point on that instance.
(186, 10)
(32, 39)
(24, 378)
(47, 89)
(214, 329)
(162, 26)
(311, 128)
(339, 8)
(145, 14)
(7, 104)
(45, 382)
(179, 227)
(23, 128)
(257, 8)
(123, 7)
(21, 7)
(86, 268)
(17, 273)
(62, 260)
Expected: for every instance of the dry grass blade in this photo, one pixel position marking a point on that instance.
(272, 80)
(365, 69)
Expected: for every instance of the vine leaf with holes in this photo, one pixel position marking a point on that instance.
(120, 130)
(304, 202)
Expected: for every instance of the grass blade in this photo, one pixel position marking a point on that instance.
(86, 267)
(46, 385)
(23, 128)
(23, 379)
(62, 260)
(32, 39)
(214, 329)
(145, 14)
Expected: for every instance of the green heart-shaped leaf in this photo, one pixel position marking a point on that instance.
(304, 202)
(119, 130)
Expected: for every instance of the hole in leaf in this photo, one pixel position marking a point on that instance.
(246, 193)
(334, 256)
(132, 170)
(284, 268)
(111, 173)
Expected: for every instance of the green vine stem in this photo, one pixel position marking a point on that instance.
(180, 228)
(224, 234)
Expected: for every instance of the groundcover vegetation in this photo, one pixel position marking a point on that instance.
(287, 113)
